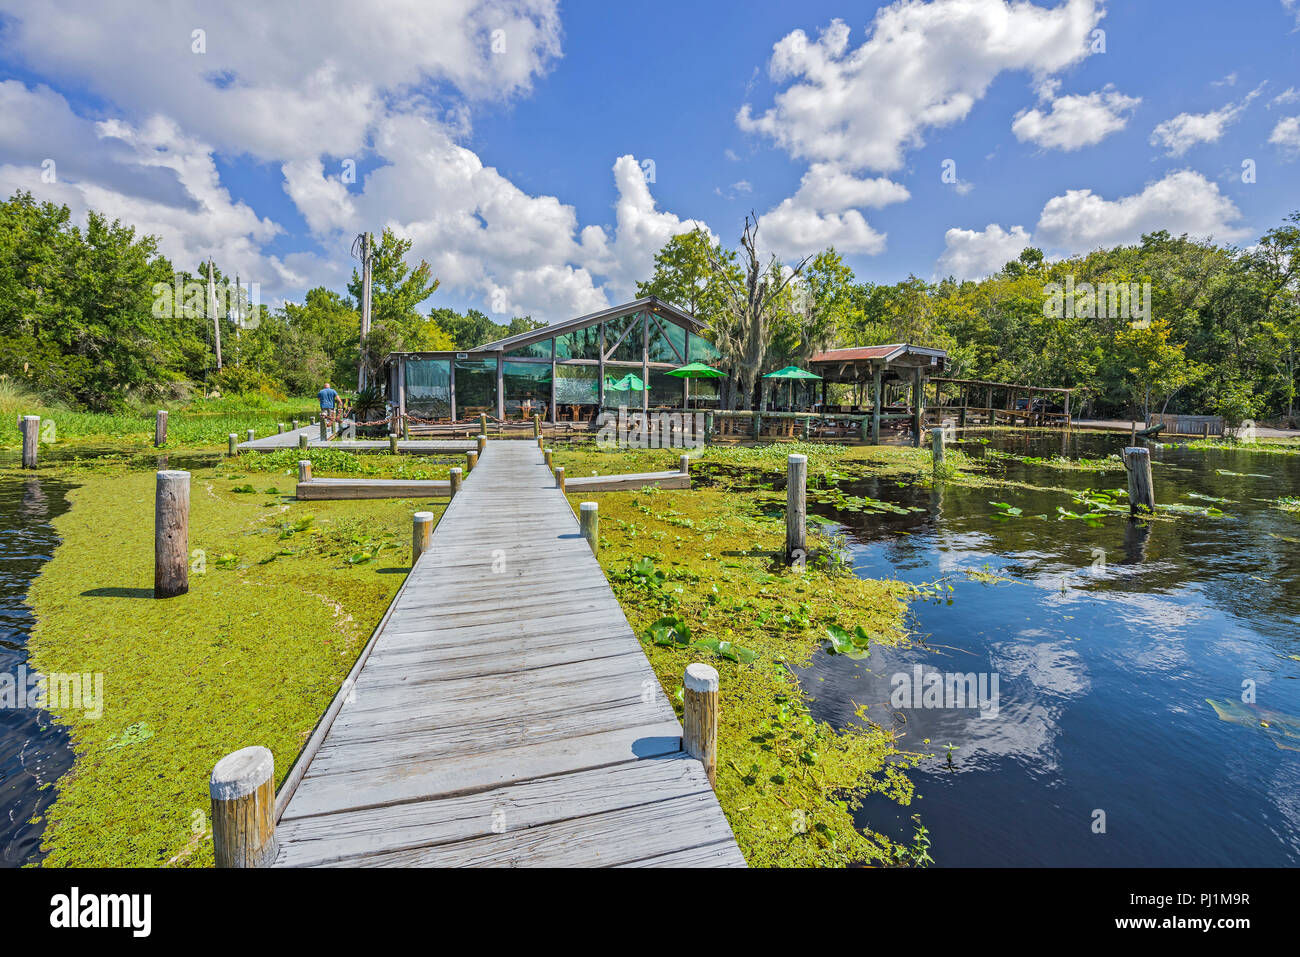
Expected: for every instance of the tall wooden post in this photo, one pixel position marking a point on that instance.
(242, 788)
(796, 505)
(232, 444)
(918, 404)
(471, 462)
(537, 426)
(482, 443)
(160, 429)
(324, 430)
(421, 534)
(304, 470)
(482, 423)
(1141, 489)
(540, 440)
(392, 444)
(546, 457)
(589, 522)
(31, 439)
(171, 535)
(700, 717)
(302, 442)
(936, 447)
(876, 398)
(559, 478)
(455, 481)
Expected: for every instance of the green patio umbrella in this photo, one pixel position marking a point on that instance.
(791, 373)
(697, 370)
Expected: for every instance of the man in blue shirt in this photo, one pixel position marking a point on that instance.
(327, 398)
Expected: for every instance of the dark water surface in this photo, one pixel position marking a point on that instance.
(34, 752)
(1107, 642)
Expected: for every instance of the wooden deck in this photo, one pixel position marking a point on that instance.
(504, 713)
(289, 440)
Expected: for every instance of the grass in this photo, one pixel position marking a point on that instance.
(283, 595)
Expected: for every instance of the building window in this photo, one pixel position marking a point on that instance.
(702, 350)
(629, 350)
(581, 343)
(537, 350)
(528, 389)
(667, 342)
(476, 387)
(428, 388)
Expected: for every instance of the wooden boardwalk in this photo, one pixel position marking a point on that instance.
(289, 440)
(505, 714)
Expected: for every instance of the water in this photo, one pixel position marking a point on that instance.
(1103, 672)
(34, 751)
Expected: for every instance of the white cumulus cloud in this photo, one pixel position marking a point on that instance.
(1182, 132)
(974, 254)
(1075, 121)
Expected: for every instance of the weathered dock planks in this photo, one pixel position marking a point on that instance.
(625, 483)
(505, 714)
(344, 488)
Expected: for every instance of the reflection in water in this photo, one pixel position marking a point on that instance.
(1107, 642)
(34, 752)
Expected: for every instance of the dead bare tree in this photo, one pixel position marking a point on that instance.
(753, 304)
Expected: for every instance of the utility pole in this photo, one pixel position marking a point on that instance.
(365, 306)
(212, 309)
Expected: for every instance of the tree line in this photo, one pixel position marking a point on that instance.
(96, 317)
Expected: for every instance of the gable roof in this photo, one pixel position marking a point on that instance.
(886, 353)
(652, 303)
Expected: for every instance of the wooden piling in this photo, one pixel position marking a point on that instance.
(252, 434)
(304, 470)
(684, 464)
(242, 788)
(559, 478)
(392, 443)
(700, 717)
(456, 478)
(421, 534)
(482, 442)
(471, 462)
(1141, 489)
(708, 428)
(324, 430)
(796, 506)
(537, 426)
(160, 429)
(171, 536)
(546, 457)
(31, 439)
(589, 522)
(295, 425)
(482, 424)
(540, 440)
(302, 442)
(279, 428)
(936, 447)
(232, 444)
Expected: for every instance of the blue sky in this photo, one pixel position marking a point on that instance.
(514, 141)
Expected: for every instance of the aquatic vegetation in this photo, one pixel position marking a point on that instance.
(1242, 474)
(327, 462)
(251, 655)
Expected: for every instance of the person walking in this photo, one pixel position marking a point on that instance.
(328, 399)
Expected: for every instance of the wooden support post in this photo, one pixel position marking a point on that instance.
(540, 440)
(482, 443)
(559, 478)
(537, 426)
(700, 717)
(232, 444)
(708, 427)
(807, 428)
(295, 425)
(31, 439)
(875, 405)
(1141, 489)
(589, 522)
(302, 442)
(279, 428)
(482, 424)
(918, 406)
(324, 430)
(471, 462)
(251, 435)
(455, 481)
(546, 457)
(242, 788)
(684, 464)
(171, 534)
(796, 506)
(421, 534)
(392, 443)
(1205, 431)
(936, 447)
(756, 424)
(160, 429)
(304, 470)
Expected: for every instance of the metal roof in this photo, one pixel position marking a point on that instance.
(886, 353)
(655, 305)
